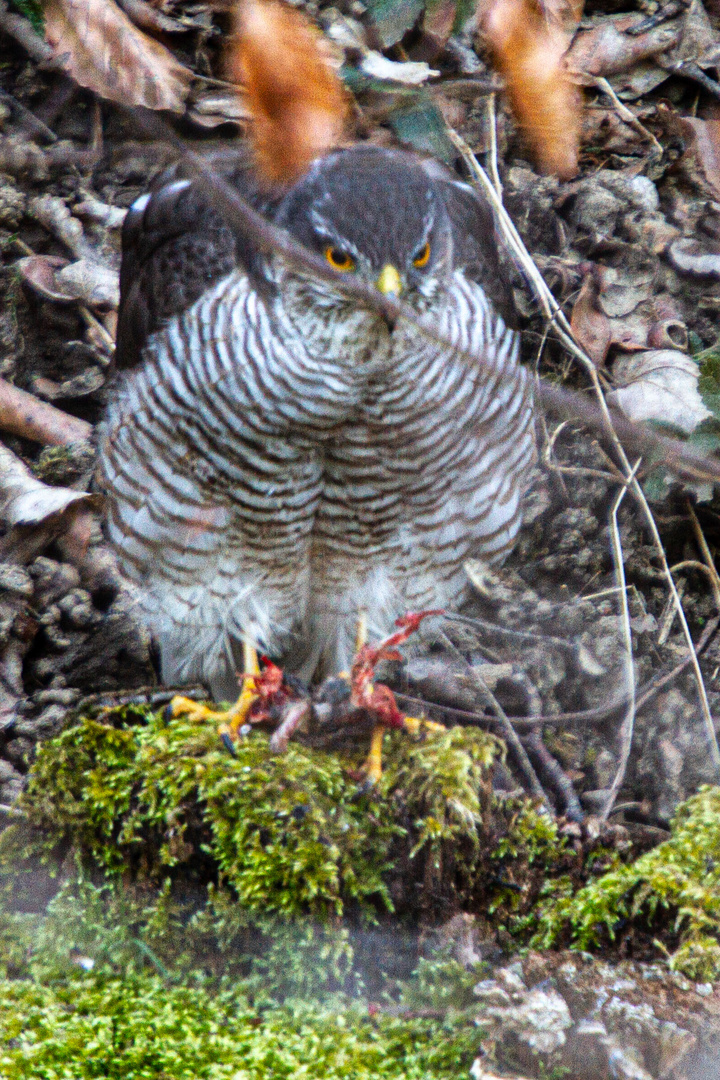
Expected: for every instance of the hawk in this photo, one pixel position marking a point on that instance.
(277, 456)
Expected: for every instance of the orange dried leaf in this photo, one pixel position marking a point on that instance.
(589, 324)
(529, 39)
(295, 96)
(103, 51)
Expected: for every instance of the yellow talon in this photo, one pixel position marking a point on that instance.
(373, 763)
(415, 725)
(229, 720)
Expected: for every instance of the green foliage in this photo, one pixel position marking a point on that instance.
(131, 1017)
(242, 865)
(287, 834)
(674, 886)
(137, 1028)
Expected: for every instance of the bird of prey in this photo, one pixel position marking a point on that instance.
(278, 456)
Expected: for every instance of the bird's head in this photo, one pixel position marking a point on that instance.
(376, 215)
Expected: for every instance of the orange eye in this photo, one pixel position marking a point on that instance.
(422, 257)
(339, 259)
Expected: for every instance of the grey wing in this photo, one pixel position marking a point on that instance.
(476, 245)
(175, 246)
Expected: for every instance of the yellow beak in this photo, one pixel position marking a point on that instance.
(389, 282)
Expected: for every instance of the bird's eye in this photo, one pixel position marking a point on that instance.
(422, 256)
(339, 259)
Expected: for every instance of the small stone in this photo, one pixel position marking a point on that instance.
(56, 697)
(14, 579)
(47, 724)
(490, 993)
(52, 579)
(11, 790)
(20, 751)
(12, 205)
(7, 772)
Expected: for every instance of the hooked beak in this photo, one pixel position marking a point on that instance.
(389, 284)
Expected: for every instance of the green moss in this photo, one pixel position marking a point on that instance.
(673, 889)
(262, 857)
(137, 1027)
(131, 1016)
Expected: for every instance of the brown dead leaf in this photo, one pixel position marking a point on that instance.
(102, 50)
(296, 98)
(24, 500)
(589, 324)
(702, 141)
(607, 50)
(529, 39)
(660, 385)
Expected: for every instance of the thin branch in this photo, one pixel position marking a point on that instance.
(21, 30)
(706, 554)
(509, 733)
(238, 214)
(614, 427)
(625, 114)
(493, 151)
(628, 724)
(23, 414)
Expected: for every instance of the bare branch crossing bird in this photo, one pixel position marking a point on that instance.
(276, 456)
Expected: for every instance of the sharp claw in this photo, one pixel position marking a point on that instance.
(366, 786)
(227, 742)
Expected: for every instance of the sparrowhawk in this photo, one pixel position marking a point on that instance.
(276, 455)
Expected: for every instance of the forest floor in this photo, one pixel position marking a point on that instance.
(631, 250)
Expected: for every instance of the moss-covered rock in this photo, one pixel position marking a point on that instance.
(277, 867)
(290, 834)
(671, 892)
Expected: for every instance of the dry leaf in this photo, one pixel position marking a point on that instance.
(589, 324)
(606, 50)
(689, 256)
(702, 139)
(103, 51)
(86, 280)
(529, 39)
(27, 501)
(295, 96)
(660, 385)
(409, 72)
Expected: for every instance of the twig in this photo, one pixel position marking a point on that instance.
(706, 554)
(21, 30)
(555, 776)
(625, 114)
(493, 151)
(702, 692)
(29, 119)
(628, 724)
(550, 769)
(24, 415)
(509, 733)
(659, 683)
(644, 695)
(268, 237)
(692, 70)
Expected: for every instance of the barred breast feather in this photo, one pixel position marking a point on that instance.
(262, 485)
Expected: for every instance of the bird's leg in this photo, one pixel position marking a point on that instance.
(380, 699)
(231, 720)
